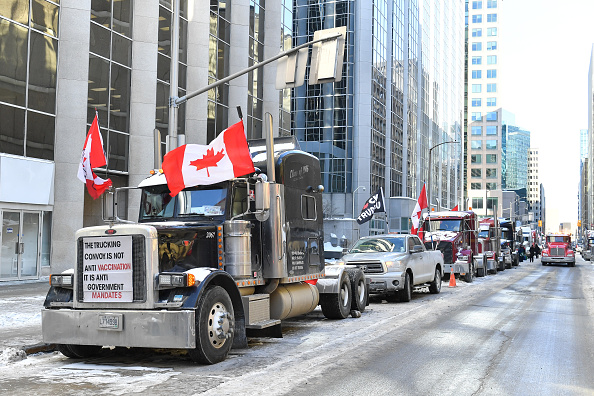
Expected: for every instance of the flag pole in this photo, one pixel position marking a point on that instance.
(107, 145)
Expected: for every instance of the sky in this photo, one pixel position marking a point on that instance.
(545, 49)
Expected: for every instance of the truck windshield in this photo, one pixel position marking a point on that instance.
(445, 225)
(379, 245)
(157, 203)
(564, 239)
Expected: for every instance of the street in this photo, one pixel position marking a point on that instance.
(526, 330)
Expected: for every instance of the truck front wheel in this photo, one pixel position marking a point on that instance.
(214, 327)
(78, 351)
(338, 305)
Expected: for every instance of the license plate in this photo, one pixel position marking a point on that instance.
(111, 322)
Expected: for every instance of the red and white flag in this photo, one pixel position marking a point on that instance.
(455, 208)
(226, 157)
(93, 156)
(416, 214)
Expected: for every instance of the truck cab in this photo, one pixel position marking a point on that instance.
(558, 250)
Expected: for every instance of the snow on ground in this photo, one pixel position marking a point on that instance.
(20, 312)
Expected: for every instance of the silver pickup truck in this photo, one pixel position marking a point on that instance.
(395, 264)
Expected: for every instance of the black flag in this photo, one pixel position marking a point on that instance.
(375, 203)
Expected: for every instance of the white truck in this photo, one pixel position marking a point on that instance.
(395, 264)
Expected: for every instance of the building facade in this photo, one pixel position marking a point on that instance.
(534, 202)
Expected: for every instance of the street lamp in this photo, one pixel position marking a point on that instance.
(429, 182)
(354, 199)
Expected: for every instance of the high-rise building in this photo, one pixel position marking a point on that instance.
(400, 96)
(516, 148)
(534, 202)
(582, 190)
(63, 61)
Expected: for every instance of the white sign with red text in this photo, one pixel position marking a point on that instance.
(107, 269)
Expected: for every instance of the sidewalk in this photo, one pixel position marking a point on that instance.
(20, 315)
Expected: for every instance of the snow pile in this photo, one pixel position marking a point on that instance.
(21, 312)
(10, 355)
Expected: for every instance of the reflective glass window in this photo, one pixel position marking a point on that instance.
(475, 186)
(491, 129)
(477, 130)
(475, 158)
(42, 72)
(44, 17)
(13, 62)
(17, 10)
(40, 135)
(477, 60)
(476, 144)
(476, 88)
(491, 144)
(491, 158)
(476, 172)
(12, 130)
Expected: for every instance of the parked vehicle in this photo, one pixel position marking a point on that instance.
(490, 233)
(558, 250)
(509, 246)
(451, 232)
(203, 268)
(395, 264)
(588, 245)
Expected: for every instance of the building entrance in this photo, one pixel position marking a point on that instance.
(19, 254)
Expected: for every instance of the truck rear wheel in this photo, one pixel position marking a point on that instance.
(435, 286)
(338, 305)
(469, 274)
(214, 326)
(358, 289)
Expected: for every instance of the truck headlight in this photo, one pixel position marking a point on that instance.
(65, 281)
(172, 280)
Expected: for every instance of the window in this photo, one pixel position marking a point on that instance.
(492, 116)
(477, 5)
(308, 207)
(477, 60)
(491, 45)
(491, 32)
(477, 130)
(491, 102)
(477, 203)
(492, 87)
(492, 60)
(476, 74)
(475, 159)
(477, 32)
(491, 186)
(476, 88)
(477, 18)
(476, 102)
(491, 144)
(476, 144)
(491, 3)
(477, 46)
(492, 73)
(491, 17)
(476, 116)
(476, 172)
(491, 129)
(491, 173)
(491, 202)
(475, 186)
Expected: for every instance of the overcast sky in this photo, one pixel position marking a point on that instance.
(545, 49)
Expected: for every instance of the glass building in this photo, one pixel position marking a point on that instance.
(400, 95)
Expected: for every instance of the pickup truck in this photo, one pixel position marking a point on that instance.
(395, 264)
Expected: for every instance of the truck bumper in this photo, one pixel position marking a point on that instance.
(492, 265)
(556, 260)
(388, 282)
(149, 329)
(459, 267)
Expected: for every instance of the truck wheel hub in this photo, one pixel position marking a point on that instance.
(220, 325)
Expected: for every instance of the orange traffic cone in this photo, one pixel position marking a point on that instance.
(452, 279)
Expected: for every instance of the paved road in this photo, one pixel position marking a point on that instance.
(522, 331)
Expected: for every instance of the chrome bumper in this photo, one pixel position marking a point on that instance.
(149, 329)
(557, 259)
(459, 267)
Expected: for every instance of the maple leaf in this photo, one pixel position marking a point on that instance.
(209, 159)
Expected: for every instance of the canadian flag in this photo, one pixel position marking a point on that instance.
(455, 208)
(416, 214)
(226, 157)
(93, 156)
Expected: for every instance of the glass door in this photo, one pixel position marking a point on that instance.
(19, 254)
(9, 262)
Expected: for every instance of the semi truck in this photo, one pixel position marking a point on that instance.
(490, 233)
(509, 246)
(455, 234)
(558, 250)
(204, 269)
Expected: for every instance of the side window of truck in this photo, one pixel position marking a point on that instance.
(308, 207)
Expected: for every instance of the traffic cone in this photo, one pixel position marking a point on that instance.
(452, 279)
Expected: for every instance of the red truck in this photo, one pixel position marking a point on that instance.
(558, 250)
(455, 234)
(490, 233)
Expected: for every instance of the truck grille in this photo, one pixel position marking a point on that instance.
(558, 252)
(445, 248)
(370, 267)
(138, 268)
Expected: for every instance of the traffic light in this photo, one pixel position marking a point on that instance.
(579, 223)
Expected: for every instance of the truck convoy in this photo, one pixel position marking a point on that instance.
(558, 250)
(492, 260)
(200, 270)
(453, 232)
(509, 248)
(395, 264)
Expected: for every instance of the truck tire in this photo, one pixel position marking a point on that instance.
(214, 326)
(78, 351)
(469, 275)
(500, 264)
(358, 289)
(405, 295)
(435, 286)
(338, 305)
